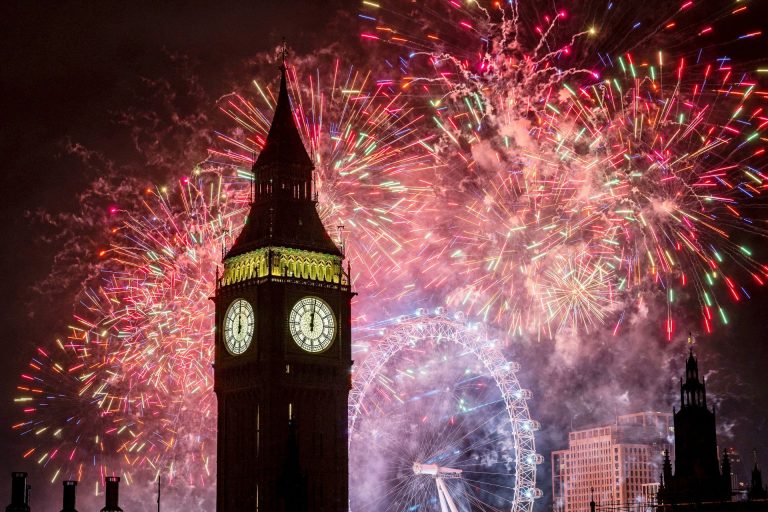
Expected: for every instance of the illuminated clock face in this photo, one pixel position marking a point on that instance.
(312, 324)
(238, 326)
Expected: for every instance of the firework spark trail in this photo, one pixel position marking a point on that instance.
(59, 394)
(640, 172)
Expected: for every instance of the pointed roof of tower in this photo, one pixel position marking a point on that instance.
(283, 145)
(756, 489)
(283, 213)
(692, 370)
(691, 365)
(693, 390)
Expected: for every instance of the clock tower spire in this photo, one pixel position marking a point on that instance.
(283, 211)
(283, 342)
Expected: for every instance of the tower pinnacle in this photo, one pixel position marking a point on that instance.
(283, 212)
(283, 55)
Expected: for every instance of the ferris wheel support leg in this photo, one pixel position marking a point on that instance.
(446, 502)
(441, 495)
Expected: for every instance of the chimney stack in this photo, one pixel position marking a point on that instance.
(113, 488)
(19, 493)
(70, 488)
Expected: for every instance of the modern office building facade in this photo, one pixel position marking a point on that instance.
(615, 464)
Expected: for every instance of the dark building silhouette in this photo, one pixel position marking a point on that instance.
(70, 490)
(112, 495)
(19, 493)
(293, 481)
(697, 477)
(700, 482)
(283, 343)
(756, 489)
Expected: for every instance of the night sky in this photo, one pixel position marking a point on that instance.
(77, 81)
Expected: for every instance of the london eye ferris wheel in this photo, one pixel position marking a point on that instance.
(438, 421)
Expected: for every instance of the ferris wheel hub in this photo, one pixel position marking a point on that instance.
(435, 471)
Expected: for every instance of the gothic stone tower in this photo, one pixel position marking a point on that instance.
(283, 349)
(695, 439)
(697, 474)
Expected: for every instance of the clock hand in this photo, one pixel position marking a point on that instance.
(239, 316)
(312, 318)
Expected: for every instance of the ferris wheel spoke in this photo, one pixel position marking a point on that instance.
(477, 442)
(397, 487)
(485, 483)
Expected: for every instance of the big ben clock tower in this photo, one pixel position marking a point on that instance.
(283, 348)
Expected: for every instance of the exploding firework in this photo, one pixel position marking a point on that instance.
(667, 177)
(61, 395)
(134, 374)
(576, 290)
(565, 191)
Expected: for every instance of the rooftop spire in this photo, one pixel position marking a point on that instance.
(283, 55)
(283, 146)
(692, 390)
(283, 212)
(691, 367)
